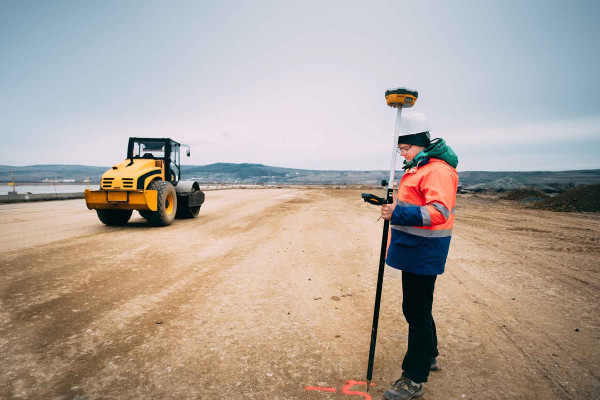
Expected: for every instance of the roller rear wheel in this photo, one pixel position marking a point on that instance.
(114, 217)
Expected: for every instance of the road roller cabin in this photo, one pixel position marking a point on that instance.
(148, 181)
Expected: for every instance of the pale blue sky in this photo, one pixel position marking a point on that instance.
(511, 85)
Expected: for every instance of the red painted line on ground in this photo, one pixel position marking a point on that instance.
(321, 389)
(348, 385)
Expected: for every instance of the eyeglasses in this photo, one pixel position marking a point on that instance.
(404, 149)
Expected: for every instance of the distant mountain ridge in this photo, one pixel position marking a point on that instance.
(259, 173)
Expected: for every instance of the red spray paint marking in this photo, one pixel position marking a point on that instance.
(345, 389)
(349, 384)
(321, 389)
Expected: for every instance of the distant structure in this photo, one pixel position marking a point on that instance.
(506, 183)
(57, 180)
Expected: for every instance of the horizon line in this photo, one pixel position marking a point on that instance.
(305, 169)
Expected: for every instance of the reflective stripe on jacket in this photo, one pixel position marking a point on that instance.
(422, 221)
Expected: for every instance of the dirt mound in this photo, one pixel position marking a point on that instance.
(581, 199)
(525, 195)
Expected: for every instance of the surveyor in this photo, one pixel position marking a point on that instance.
(421, 220)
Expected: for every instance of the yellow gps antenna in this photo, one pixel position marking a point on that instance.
(401, 97)
(397, 98)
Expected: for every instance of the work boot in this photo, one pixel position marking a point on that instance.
(434, 365)
(404, 389)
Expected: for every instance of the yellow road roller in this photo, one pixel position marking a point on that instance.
(148, 181)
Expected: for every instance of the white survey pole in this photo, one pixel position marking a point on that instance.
(395, 149)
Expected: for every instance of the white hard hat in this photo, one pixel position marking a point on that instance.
(413, 122)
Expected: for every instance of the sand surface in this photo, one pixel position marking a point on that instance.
(269, 294)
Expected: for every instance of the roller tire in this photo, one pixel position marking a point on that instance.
(167, 204)
(188, 212)
(194, 211)
(114, 217)
(184, 212)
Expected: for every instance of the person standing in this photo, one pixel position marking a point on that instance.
(421, 220)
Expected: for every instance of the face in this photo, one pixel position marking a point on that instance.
(409, 151)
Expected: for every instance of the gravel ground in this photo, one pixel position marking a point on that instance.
(268, 294)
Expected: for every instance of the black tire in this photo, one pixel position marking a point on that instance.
(184, 211)
(114, 217)
(167, 204)
(145, 213)
(188, 212)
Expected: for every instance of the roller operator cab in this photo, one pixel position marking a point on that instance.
(148, 181)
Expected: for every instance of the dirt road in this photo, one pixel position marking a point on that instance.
(269, 295)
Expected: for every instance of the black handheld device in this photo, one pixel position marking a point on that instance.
(372, 199)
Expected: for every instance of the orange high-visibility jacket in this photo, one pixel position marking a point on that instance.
(422, 221)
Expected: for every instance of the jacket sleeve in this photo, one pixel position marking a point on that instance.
(439, 189)
(407, 216)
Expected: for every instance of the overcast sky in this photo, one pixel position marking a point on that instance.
(510, 85)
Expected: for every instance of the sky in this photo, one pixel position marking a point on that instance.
(510, 85)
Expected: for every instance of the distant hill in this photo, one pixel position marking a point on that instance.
(37, 173)
(259, 173)
(219, 172)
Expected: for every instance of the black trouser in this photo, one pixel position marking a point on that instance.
(417, 299)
